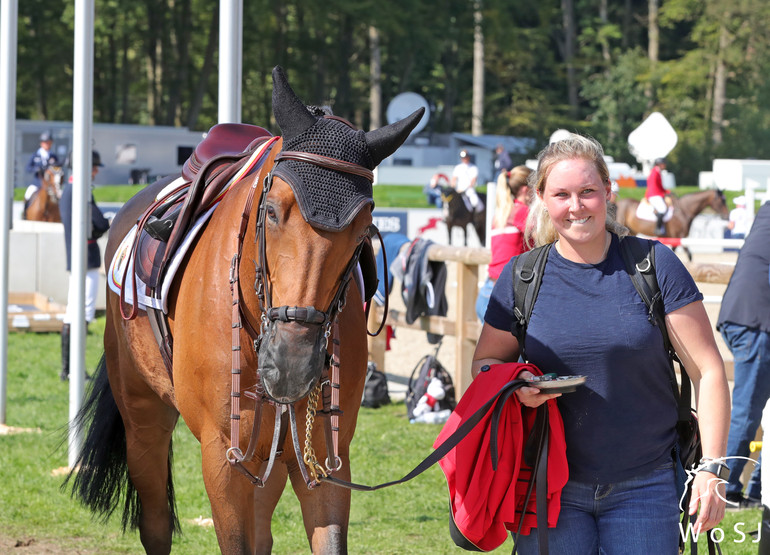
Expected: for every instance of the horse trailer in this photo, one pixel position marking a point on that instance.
(131, 154)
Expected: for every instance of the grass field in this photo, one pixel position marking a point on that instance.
(385, 196)
(409, 518)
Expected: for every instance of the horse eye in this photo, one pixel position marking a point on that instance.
(271, 213)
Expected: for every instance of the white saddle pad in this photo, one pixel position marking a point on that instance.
(645, 211)
(122, 259)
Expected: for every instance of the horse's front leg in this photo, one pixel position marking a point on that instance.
(325, 511)
(241, 512)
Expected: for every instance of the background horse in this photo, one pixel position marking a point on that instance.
(456, 214)
(686, 208)
(303, 322)
(44, 204)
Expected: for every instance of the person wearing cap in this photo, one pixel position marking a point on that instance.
(656, 194)
(99, 226)
(464, 179)
(739, 221)
(40, 160)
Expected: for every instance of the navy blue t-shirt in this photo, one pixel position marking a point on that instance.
(589, 320)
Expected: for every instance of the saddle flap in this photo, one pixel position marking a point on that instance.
(149, 259)
(150, 251)
(223, 138)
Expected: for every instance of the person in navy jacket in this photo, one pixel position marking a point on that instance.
(40, 160)
(99, 226)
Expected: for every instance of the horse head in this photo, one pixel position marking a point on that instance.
(314, 218)
(719, 204)
(52, 182)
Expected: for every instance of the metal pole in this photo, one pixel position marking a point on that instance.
(82, 116)
(9, 12)
(230, 60)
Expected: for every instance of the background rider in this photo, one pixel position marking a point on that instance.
(656, 194)
(40, 160)
(464, 179)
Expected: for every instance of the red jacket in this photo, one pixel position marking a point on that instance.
(655, 184)
(487, 503)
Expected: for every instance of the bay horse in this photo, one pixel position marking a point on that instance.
(685, 207)
(44, 204)
(456, 214)
(303, 329)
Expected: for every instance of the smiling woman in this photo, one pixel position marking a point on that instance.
(621, 475)
(576, 201)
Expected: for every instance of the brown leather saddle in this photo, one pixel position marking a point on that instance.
(206, 172)
(163, 225)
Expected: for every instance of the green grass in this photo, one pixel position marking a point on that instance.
(385, 196)
(408, 518)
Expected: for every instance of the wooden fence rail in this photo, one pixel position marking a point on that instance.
(465, 327)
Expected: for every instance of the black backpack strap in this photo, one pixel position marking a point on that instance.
(527, 275)
(639, 258)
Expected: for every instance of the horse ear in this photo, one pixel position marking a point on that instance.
(290, 112)
(384, 141)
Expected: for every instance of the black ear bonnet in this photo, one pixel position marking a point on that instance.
(329, 199)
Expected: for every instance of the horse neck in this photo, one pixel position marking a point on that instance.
(693, 204)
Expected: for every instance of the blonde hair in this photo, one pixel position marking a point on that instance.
(508, 186)
(540, 229)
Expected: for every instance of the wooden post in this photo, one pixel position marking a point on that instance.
(465, 301)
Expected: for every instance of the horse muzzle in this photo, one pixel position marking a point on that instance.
(292, 356)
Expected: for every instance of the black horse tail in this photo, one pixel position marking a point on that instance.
(100, 473)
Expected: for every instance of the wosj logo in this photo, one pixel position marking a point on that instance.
(743, 531)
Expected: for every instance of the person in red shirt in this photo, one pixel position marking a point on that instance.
(507, 238)
(656, 194)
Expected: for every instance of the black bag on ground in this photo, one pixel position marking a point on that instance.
(376, 388)
(429, 367)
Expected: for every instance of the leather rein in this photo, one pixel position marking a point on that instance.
(329, 384)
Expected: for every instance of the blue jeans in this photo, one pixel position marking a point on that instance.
(433, 196)
(751, 356)
(485, 291)
(637, 516)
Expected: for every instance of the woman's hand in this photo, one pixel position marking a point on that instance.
(531, 396)
(708, 493)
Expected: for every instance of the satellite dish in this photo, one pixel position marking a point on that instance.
(405, 104)
(654, 138)
(559, 135)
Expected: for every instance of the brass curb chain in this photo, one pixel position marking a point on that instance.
(309, 453)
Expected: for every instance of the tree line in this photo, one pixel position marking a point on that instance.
(593, 66)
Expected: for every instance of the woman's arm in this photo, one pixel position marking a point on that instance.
(693, 339)
(498, 346)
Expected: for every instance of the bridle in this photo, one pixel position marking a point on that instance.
(303, 314)
(328, 385)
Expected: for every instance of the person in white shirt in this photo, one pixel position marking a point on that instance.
(464, 179)
(739, 221)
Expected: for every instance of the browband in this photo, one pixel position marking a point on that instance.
(326, 162)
